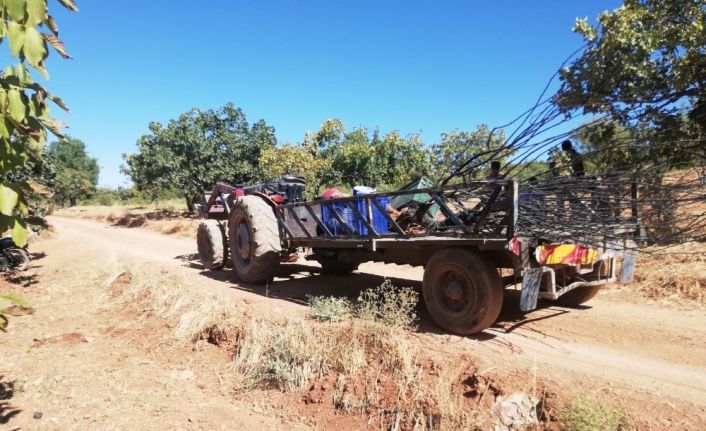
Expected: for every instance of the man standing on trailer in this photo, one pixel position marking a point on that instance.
(577, 169)
(494, 172)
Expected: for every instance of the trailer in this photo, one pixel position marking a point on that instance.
(468, 237)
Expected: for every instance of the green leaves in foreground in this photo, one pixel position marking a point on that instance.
(4, 311)
(24, 110)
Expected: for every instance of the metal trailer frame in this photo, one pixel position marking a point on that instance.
(492, 230)
(481, 216)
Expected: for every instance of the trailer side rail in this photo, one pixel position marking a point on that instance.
(477, 210)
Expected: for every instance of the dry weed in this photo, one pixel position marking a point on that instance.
(377, 369)
(199, 316)
(677, 273)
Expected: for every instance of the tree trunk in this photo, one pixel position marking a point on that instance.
(72, 201)
(189, 203)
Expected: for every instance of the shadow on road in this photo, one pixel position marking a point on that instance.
(7, 391)
(296, 283)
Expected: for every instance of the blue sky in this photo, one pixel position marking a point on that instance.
(415, 66)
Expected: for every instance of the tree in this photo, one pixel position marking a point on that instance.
(76, 172)
(400, 160)
(644, 63)
(198, 149)
(23, 105)
(297, 160)
(458, 147)
(359, 157)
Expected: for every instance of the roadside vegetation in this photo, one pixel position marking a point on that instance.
(583, 414)
(362, 359)
(675, 274)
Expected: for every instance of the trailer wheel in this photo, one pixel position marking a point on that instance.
(212, 244)
(579, 295)
(254, 240)
(462, 291)
(337, 267)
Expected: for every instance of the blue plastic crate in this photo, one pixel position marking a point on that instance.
(379, 221)
(330, 220)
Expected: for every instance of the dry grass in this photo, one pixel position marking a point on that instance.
(677, 273)
(167, 217)
(374, 367)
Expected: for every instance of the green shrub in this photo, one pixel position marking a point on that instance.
(390, 305)
(586, 415)
(330, 308)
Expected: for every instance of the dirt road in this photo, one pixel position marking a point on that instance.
(633, 346)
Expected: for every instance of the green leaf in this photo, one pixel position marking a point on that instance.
(6, 127)
(36, 11)
(8, 200)
(69, 4)
(3, 100)
(34, 49)
(17, 299)
(40, 67)
(22, 74)
(4, 132)
(57, 44)
(16, 34)
(16, 106)
(16, 9)
(19, 233)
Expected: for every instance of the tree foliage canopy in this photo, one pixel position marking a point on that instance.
(76, 172)
(644, 60)
(199, 148)
(361, 157)
(457, 147)
(644, 69)
(24, 111)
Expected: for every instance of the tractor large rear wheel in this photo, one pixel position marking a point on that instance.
(254, 240)
(462, 291)
(212, 244)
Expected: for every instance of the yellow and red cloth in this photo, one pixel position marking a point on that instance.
(566, 254)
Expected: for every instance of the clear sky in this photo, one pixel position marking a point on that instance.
(415, 66)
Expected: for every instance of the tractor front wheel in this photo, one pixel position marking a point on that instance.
(212, 244)
(254, 240)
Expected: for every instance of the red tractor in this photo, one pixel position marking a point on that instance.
(251, 236)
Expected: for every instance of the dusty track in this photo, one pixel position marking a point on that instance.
(632, 347)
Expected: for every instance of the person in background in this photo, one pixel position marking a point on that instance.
(577, 169)
(494, 171)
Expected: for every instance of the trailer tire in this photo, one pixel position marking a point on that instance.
(462, 291)
(212, 244)
(254, 240)
(337, 267)
(579, 295)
